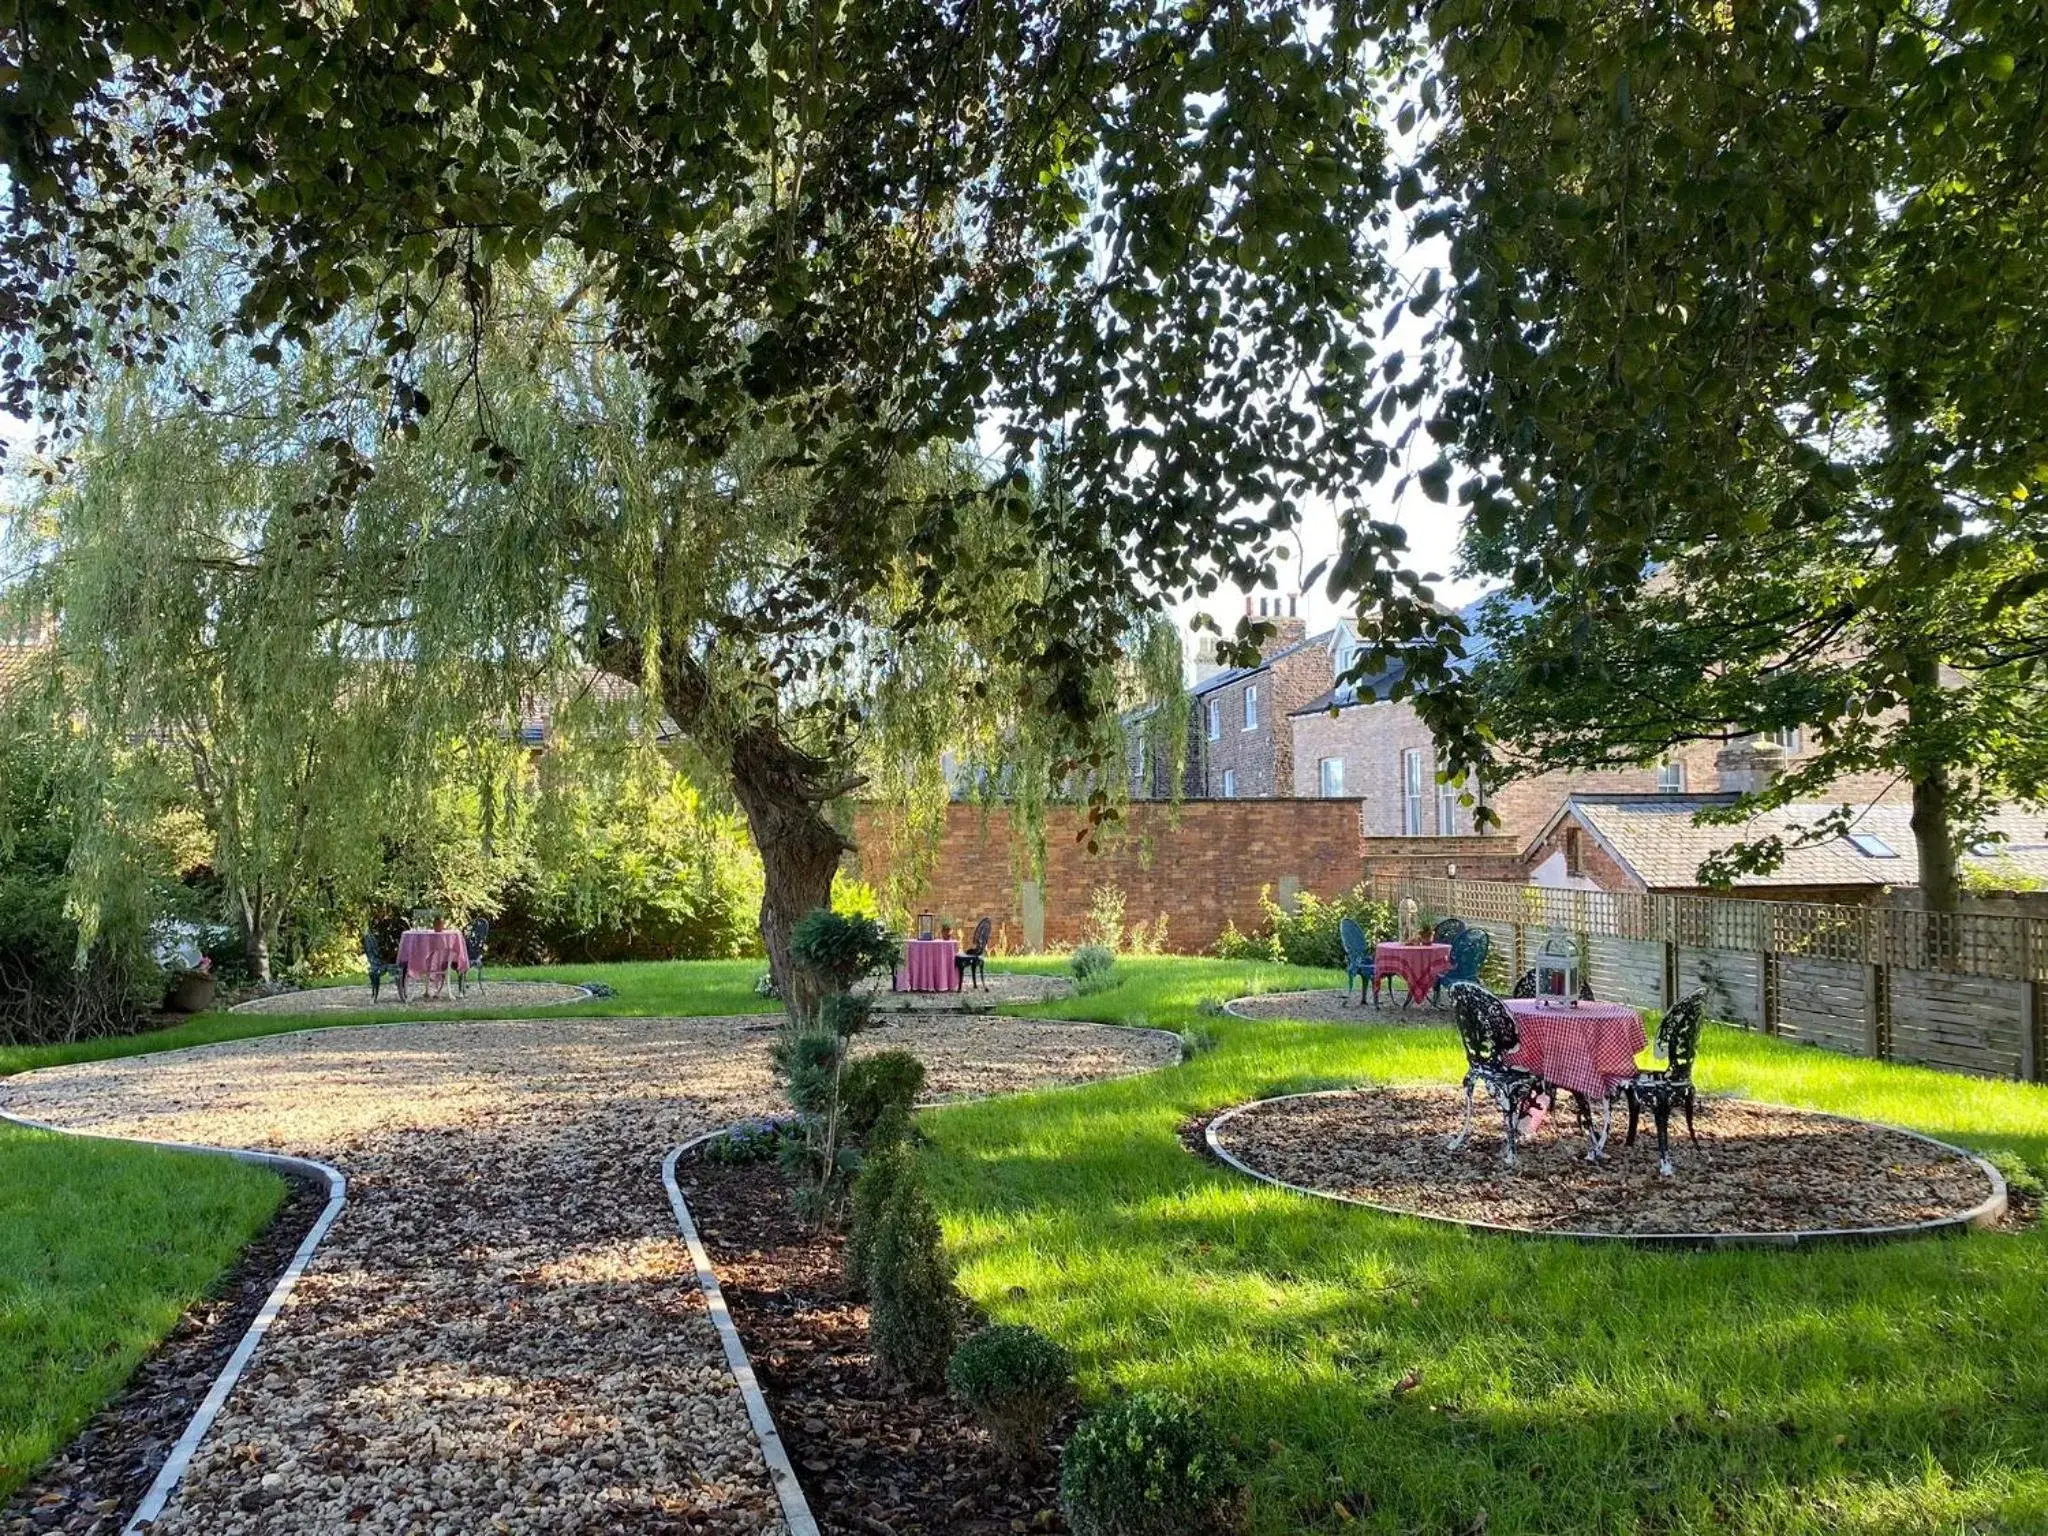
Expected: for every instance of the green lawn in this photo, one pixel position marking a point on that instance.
(102, 1246)
(1562, 1388)
(693, 988)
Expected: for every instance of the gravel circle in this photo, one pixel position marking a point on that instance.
(355, 999)
(1331, 1007)
(1759, 1168)
(503, 1331)
(1003, 988)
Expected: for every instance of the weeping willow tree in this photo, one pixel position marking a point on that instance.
(264, 566)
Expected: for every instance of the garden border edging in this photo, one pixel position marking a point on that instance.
(1985, 1213)
(179, 1459)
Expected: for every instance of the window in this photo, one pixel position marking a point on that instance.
(1332, 772)
(1230, 783)
(1788, 739)
(1671, 777)
(1447, 810)
(1574, 852)
(1251, 707)
(1411, 792)
(1139, 775)
(1871, 846)
(1215, 712)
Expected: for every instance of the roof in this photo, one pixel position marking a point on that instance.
(1376, 688)
(1654, 838)
(1231, 675)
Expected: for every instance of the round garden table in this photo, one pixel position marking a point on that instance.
(928, 966)
(432, 952)
(1417, 964)
(1589, 1048)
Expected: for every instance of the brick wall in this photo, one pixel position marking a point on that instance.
(1262, 757)
(1458, 858)
(1200, 873)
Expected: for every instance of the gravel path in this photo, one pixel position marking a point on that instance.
(1332, 1007)
(1002, 987)
(502, 1333)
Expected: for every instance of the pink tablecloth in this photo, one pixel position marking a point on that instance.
(1417, 964)
(432, 952)
(928, 966)
(1590, 1048)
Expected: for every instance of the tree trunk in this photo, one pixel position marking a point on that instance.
(778, 786)
(256, 932)
(1933, 818)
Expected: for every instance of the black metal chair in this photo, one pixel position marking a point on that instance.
(477, 940)
(1490, 1036)
(969, 961)
(1447, 931)
(373, 956)
(1678, 1042)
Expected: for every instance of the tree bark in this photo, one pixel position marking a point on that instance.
(779, 788)
(1933, 818)
(257, 927)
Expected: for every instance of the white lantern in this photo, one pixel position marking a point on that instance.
(1557, 968)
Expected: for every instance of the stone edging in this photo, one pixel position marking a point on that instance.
(796, 1510)
(175, 1465)
(1986, 1213)
(583, 995)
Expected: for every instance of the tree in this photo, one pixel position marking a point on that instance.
(1744, 313)
(1135, 244)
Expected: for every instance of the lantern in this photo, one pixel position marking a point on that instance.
(927, 924)
(1557, 968)
(1410, 915)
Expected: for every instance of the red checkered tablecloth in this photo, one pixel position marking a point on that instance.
(1590, 1048)
(1417, 964)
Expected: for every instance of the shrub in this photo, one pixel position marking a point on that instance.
(1232, 944)
(1309, 935)
(1105, 925)
(872, 1187)
(845, 1013)
(1148, 1466)
(1015, 1381)
(840, 949)
(876, 1094)
(2021, 1181)
(1092, 960)
(751, 1141)
(1196, 1041)
(809, 1059)
(910, 1284)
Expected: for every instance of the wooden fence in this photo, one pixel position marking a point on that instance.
(1958, 990)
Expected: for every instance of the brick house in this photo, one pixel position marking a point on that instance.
(1240, 737)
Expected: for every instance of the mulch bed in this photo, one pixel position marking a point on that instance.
(874, 1459)
(1331, 1007)
(94, 1483)
(355, 998)
(1758, 1168)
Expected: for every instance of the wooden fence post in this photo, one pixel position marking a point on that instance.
(2030, 1031)
(1877, 1012)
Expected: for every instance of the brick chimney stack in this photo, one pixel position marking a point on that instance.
(1748, 767)
(1283, 612)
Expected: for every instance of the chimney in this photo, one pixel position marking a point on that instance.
(1283, 612)
(1747, 767)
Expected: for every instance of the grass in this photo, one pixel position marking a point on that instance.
(688, 988)
(1555, 1387)
(102, 1247)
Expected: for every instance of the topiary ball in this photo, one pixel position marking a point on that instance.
(1149, 1465)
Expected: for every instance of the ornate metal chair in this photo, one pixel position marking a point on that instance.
(1678, 1042)
(1490, 1036)
(373, 956)
(1358, 959)
(1469, 949)
(477, 940)
(969, 961)
(1447, 931)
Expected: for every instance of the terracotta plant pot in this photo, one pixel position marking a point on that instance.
(191, 992)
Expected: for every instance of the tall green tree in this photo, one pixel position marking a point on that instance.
(1742, 330)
